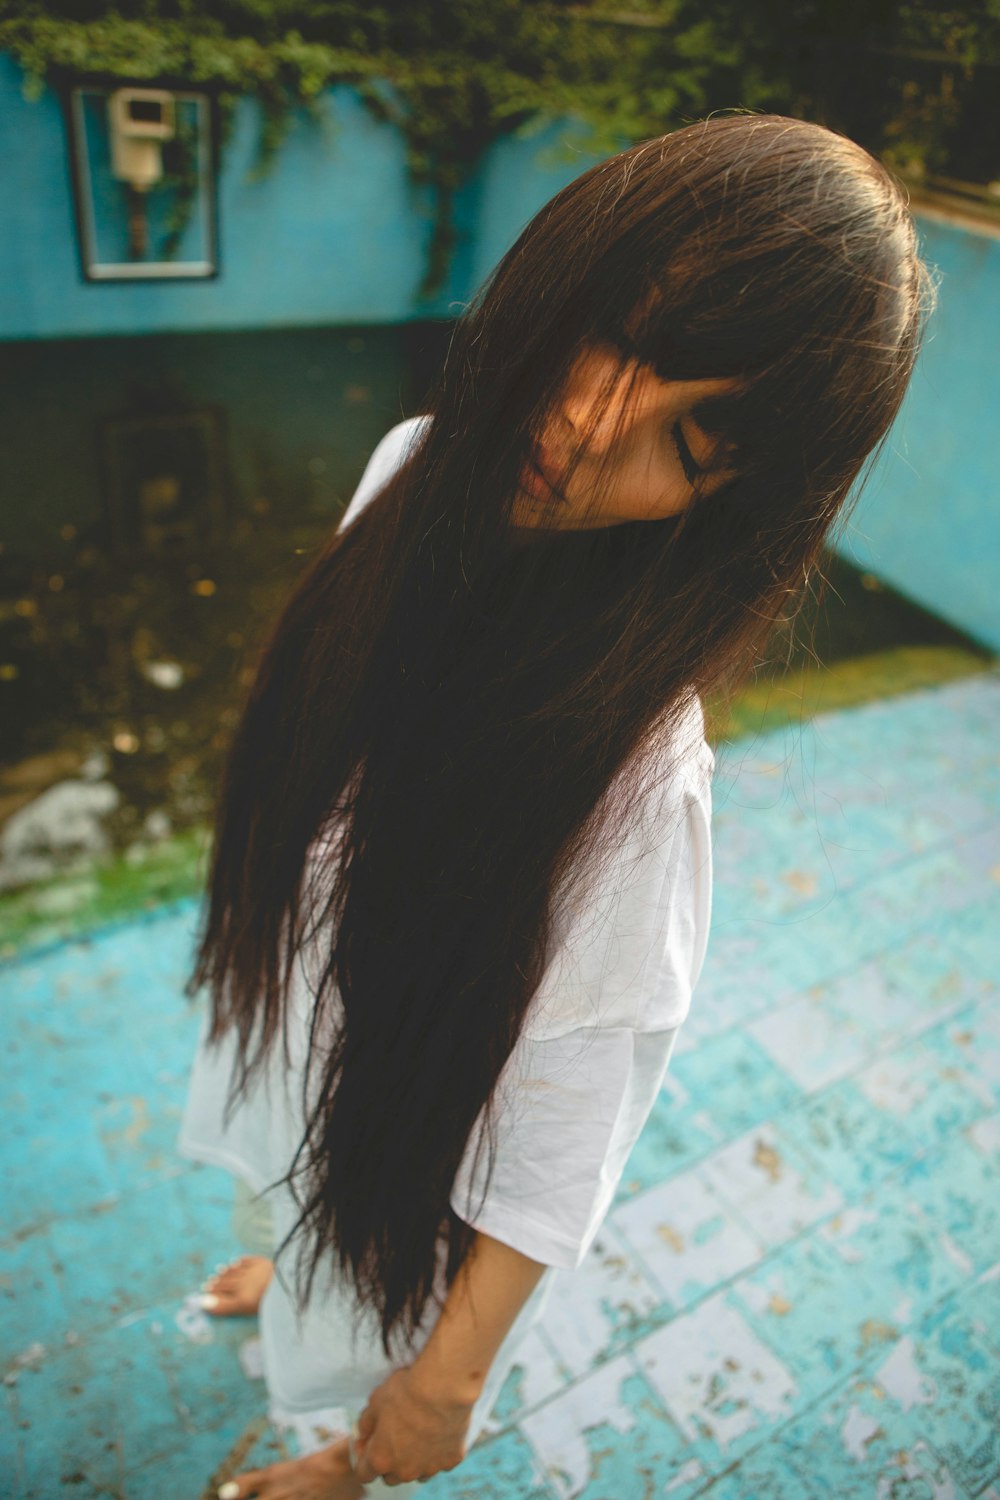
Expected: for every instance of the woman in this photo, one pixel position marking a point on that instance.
(462, 858)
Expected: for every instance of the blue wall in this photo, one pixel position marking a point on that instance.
(337, 235)
(929, 522)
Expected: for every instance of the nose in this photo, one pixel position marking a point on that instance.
(552, 452)
(550, 467)
(546, 461)
(568, 437)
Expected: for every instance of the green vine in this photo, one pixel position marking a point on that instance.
(180, 179)
(911, 82)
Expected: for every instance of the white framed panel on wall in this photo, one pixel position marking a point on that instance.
(143, 161)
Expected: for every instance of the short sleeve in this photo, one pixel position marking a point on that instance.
(388, 455)
(631, 951)
(582, 1079)
(571, 1110)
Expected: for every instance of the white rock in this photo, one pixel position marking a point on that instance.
(165, 674)
(157, 824)
(61, 825)
(95, 766)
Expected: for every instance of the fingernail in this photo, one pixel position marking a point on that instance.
(229, 1491)
(209, 1301)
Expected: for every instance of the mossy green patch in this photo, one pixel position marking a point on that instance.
(803, 692)
(75, 902)
(149, 875)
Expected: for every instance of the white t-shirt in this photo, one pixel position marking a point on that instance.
(574, 1095)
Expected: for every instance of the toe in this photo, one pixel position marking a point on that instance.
(240, 1487)
(229, 1276)
(251, 1483)
(219, 1302)
(222, 1302)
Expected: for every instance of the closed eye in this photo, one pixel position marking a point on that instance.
(692, 471)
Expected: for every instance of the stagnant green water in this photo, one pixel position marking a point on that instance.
(161, 495)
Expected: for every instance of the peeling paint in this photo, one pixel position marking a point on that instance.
(766, 1157)
(802, 1279)
(306, 1432)
(858, 1431)
(902, 1380)
(193, 1321)
(956, 1254)
(670, 1237)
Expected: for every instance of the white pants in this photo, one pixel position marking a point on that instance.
(253, 1229)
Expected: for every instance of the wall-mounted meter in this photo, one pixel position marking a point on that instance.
(144, 156)
(139, 121)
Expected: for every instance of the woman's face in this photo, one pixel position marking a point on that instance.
(652, 463)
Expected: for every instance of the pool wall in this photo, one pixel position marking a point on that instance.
(928, 523)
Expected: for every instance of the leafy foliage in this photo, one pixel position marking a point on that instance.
(916, 82)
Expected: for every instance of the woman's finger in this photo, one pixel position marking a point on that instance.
(364, 1470)
(354, 1445)
(358, 1456)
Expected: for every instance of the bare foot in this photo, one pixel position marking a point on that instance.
(236, 1289)
(324, 1475)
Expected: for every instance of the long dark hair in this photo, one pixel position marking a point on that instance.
(474, 715)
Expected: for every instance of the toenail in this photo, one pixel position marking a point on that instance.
(208, 1302)
(229, 1491)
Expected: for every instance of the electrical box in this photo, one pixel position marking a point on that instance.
(144, 162)
(139, 121)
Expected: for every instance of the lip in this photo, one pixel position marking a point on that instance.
(535, 481)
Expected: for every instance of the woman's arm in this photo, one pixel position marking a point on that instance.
(491, 1287)
(416, 1421)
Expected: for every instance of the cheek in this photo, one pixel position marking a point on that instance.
(648, 490)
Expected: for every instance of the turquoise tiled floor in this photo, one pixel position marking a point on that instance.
(797, 1290)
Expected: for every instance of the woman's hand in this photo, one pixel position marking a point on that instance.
(417, 1421)
(408, 1431)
